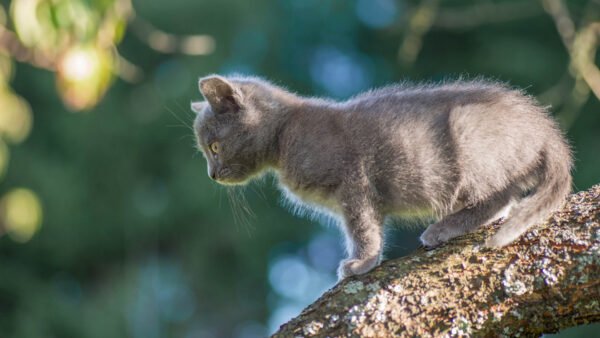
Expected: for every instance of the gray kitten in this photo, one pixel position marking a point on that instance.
(465, 151)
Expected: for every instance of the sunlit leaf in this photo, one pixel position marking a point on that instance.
(21, 214)
(3, 16)
(6, 67)
(112, 30)
(77, 17)
(16, 118)
(84, 74)
(33, 23)
(4, 157)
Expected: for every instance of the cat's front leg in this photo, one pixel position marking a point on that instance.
(364, 242)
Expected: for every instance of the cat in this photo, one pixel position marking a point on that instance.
(462, 150)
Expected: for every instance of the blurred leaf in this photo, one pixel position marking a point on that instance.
(84, 74)
(16, 119)
(20, 214)
(4, 157)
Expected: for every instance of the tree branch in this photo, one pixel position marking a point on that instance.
(547, 280)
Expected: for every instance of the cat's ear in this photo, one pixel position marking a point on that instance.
(198, 107)
(220, 94)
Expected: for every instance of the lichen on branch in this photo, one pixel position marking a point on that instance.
(547, 280)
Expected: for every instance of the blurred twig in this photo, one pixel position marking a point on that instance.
(418, 25)
(559, 92)
(581, 45)
(485, 12)
(156, 39)
(11, 45)
(429, 14)
(199, 44)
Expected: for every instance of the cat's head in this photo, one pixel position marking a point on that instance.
(229, 128)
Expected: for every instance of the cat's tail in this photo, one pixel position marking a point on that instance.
(553, 185)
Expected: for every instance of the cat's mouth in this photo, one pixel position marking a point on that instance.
(228, 176)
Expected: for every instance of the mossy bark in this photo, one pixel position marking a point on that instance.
(547, 280)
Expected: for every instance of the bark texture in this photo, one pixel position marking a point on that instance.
(547, 280)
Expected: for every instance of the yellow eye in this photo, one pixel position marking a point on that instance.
(215, 147)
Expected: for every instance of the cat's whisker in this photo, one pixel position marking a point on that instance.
(245, 204)
(237, 204)
(176, 126)
(246, 213)
(232, 205)
(258, 191)
(186, 136)
(220, 197)
(188, 112)
(187, 125)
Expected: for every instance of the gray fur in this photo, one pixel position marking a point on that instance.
(462, 150)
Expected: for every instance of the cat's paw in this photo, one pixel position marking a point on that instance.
(433, 236)
(437, 234)
(352, 266)
(429, 239)
(501, 239)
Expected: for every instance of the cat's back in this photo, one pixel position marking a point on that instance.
(456, 107)
(421, 98)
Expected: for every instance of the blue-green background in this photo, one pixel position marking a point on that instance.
(136, 241)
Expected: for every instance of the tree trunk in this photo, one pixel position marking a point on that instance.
(547, 280)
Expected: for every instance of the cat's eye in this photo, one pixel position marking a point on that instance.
(215, 147)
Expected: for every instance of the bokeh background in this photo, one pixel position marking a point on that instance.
(109, 225)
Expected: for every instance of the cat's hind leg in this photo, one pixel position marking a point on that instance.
(469, 218)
